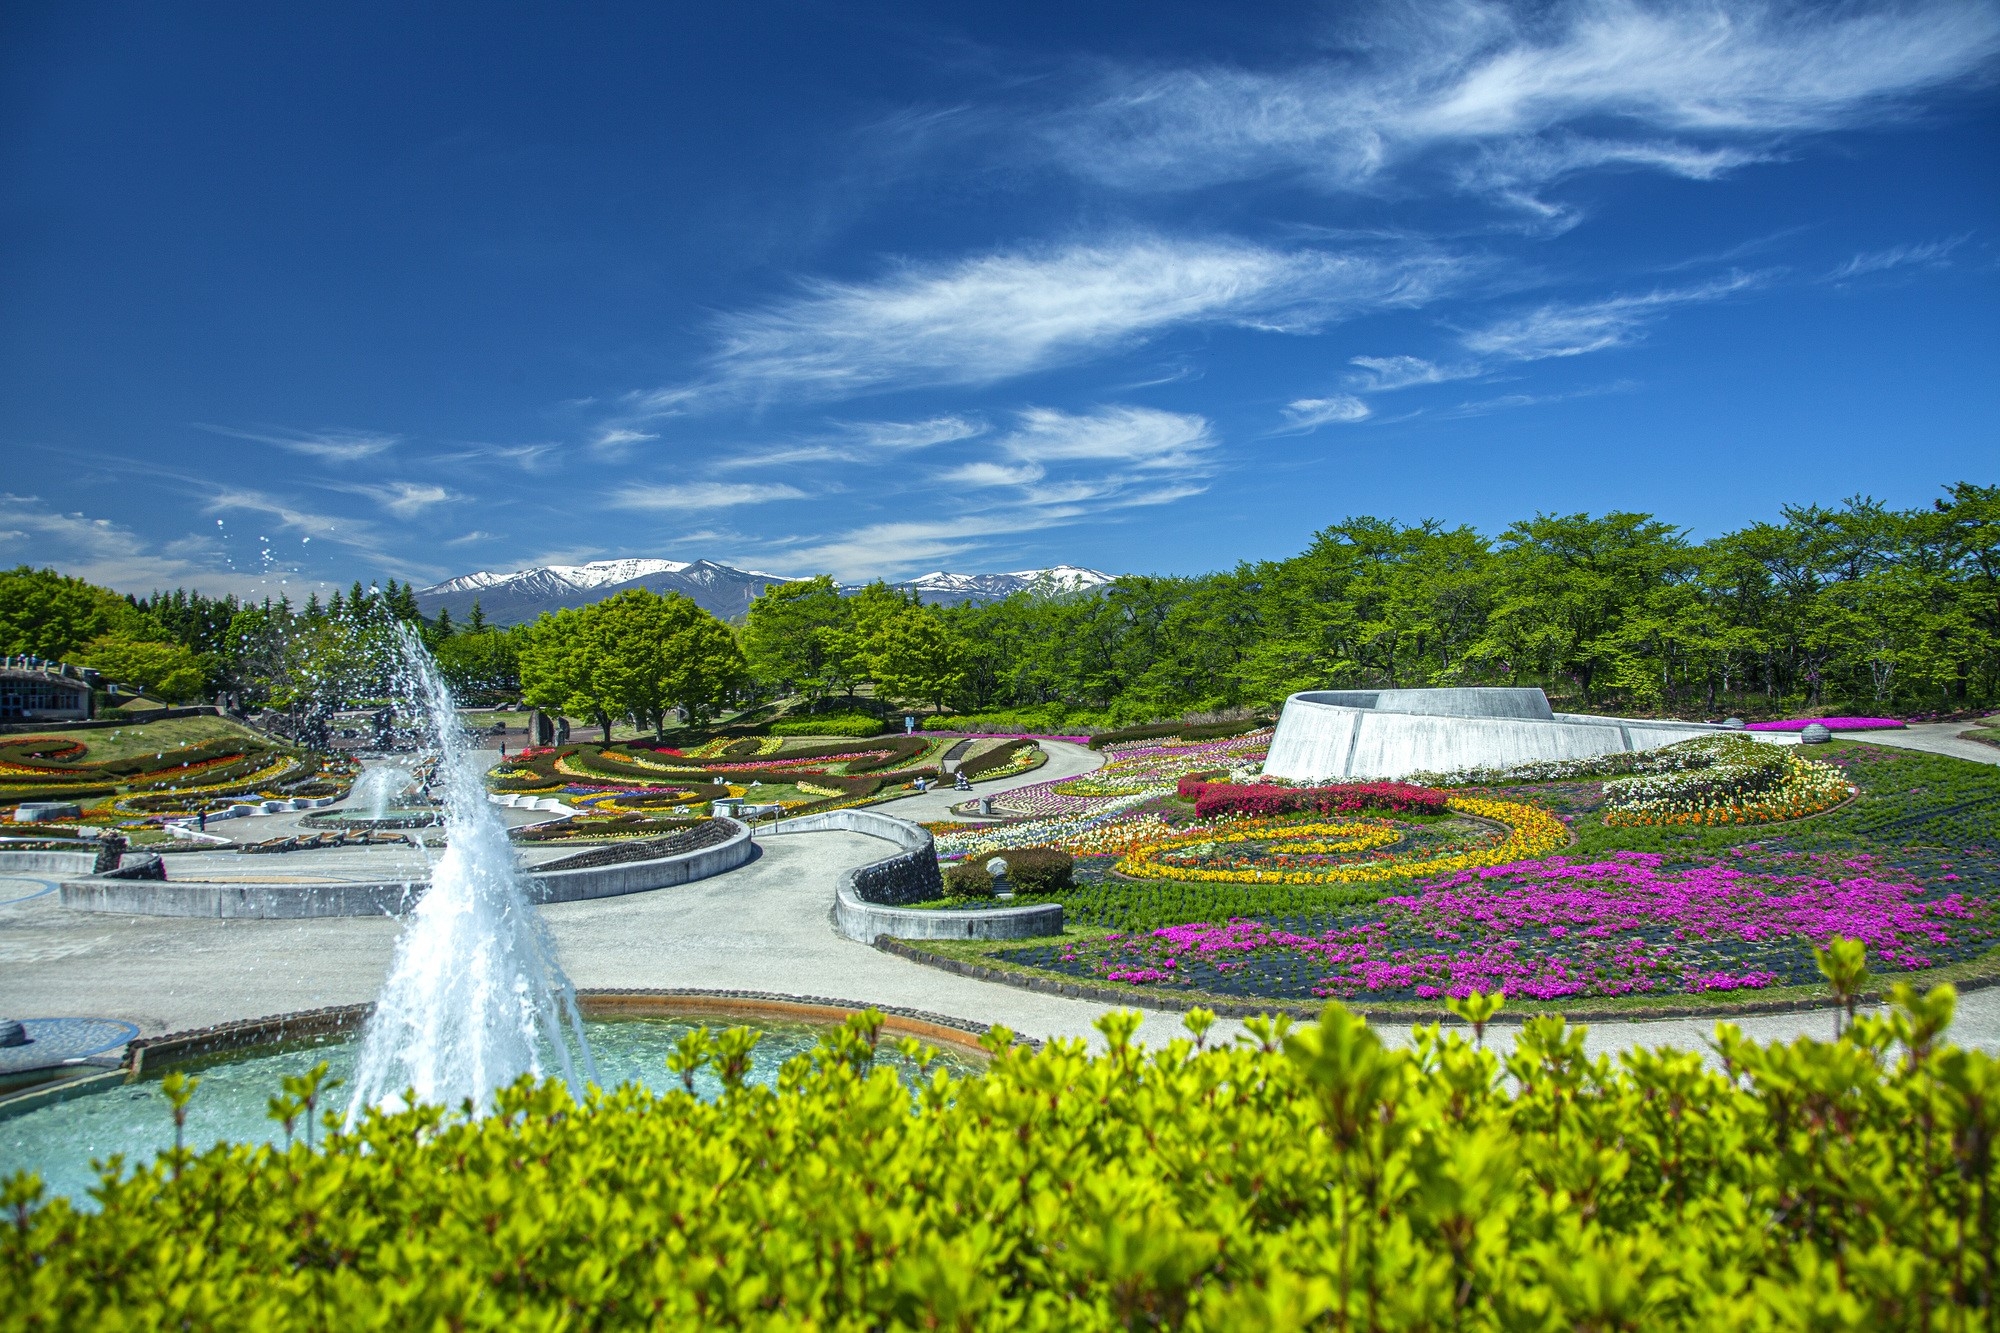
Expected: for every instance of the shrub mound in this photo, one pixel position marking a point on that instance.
(833, 724)
(1206, 731)
(1304, 1177)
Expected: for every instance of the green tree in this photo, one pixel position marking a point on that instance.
(558, 660)
(917, 657)
(794, 636)
(52, 615)
(166, 670)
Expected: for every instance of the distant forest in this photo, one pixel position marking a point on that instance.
(1859, 606)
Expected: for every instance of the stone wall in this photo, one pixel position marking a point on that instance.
(867, 902)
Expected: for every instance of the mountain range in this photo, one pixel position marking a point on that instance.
(511, 598)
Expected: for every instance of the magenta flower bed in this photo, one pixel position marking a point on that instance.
(1557, 928)
(1830, 723)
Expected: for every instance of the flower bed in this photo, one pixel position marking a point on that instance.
(1786, 787)
(1531, 832)
(1565, 927)
(1265, 799)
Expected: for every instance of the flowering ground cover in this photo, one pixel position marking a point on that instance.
(1908, 860)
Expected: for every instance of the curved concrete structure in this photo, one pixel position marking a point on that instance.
(1368, 734)
(866, 899)
(160, 897)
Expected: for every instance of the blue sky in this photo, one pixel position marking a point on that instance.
(294, 295)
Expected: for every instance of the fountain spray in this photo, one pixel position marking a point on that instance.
(474, 997)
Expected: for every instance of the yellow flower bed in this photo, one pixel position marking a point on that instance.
(1533, 832)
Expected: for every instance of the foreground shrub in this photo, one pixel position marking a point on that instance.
(1039, 869)
(967, 879)
(1303, 1177)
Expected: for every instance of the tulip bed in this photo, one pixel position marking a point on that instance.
(1575, 900)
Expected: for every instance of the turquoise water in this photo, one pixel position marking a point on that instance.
(60, 1141)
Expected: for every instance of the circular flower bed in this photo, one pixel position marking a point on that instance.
(1531, 832)
(1258, 848)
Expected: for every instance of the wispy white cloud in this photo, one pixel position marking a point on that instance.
(992, 317)
(1382, 374)
(1929, 254)
(471, 537)
(1691, 87)
(1557, 330)
(615, 443)
(527, 457)
(1307, 414)
(865, 442)
(1048, 469)
(332, 446)
(404, 499)
(697, 495)
(979, 475)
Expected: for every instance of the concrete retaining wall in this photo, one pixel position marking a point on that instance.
(389, 897)
(865, 901)
(63, 863)
(1363, 734)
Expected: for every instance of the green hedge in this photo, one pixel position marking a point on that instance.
(1303, 1178)
(1205, 731)
(834, 724)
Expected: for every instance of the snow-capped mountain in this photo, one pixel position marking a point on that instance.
(511, 598)
(508, 599)
(945, 589)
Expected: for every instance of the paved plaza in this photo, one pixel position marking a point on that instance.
(763, 927)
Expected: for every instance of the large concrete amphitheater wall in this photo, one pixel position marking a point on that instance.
(1372, 734)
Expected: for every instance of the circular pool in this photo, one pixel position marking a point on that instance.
(59, 1141)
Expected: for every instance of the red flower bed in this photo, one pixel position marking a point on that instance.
(1261, 800)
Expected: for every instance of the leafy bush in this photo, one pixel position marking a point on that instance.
(968, 879)
(834, 724)
(1265, 799)
(1049, 720)
(1306, 1176)
(1206, 731)
(1041, 870)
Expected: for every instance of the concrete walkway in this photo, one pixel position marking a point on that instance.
(1934, 737)
(1065, 760)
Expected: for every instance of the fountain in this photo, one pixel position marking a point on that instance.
(378, 785)
(474, 997)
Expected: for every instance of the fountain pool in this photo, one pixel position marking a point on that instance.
(58, 1141)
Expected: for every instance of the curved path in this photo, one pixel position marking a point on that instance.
(1065, 760)
(1933, 737)
(763, 927)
